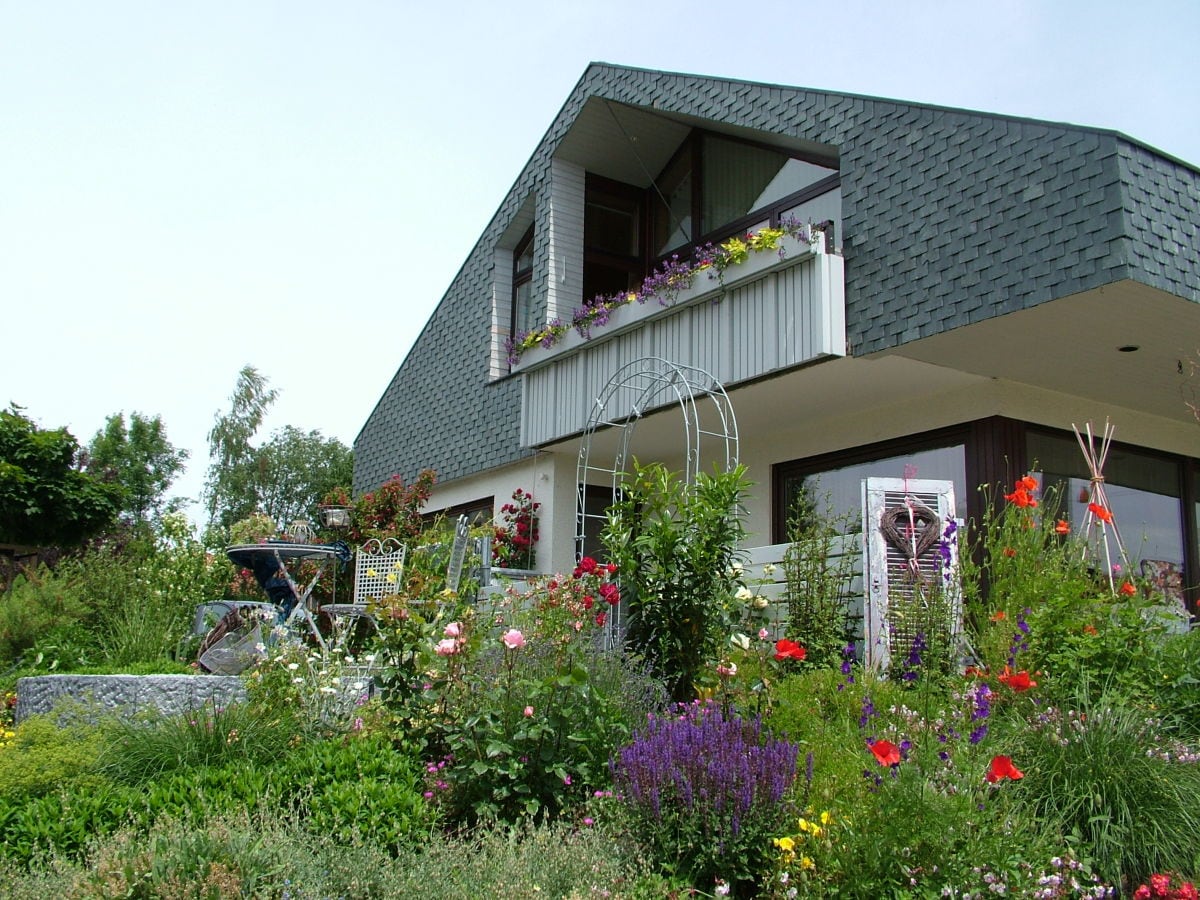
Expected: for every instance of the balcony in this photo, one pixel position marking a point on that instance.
(773, 312)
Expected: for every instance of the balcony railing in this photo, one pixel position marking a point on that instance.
(773, 312)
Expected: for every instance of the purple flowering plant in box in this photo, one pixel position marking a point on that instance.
(708, 791)
(664, 284)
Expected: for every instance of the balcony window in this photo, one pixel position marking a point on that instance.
(614, 258)
(726, 184)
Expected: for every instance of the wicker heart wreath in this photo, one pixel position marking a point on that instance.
(911, 529)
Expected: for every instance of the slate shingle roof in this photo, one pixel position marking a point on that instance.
(949, 217)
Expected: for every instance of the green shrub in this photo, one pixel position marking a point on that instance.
(526, 708)
(42, 757)
(268, 855)
(675, 546)
(818, 583)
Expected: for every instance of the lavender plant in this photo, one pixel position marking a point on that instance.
(708, 792)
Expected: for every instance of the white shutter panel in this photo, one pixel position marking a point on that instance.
(911, 585)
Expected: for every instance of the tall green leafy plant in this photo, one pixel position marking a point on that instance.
(819, 579)
(675, 545)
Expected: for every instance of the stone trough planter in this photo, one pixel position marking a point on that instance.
(100, 694)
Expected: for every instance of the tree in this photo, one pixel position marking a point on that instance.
(229, 488)
(284, 478)
(296, 469)
(140, 459)
(45, 499)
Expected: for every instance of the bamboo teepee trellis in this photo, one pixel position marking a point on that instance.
(1099, 516)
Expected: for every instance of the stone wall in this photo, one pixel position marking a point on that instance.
(100, 694)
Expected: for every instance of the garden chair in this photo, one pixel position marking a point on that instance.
(378, 572)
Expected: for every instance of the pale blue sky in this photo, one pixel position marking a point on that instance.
(187, 188)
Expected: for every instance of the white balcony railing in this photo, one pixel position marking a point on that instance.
(768, 314)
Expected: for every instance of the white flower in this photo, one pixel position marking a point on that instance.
(297, 681)
(769, 570)
(722, 889)
(743, 593)
(292, 667)
(735, 569)
(760, 602)
(327, 690)
(740, 640)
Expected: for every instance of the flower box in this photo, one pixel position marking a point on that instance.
(705, 286)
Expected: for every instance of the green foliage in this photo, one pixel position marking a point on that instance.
(147, 746)
(1030, 587)
(301, 691)
(285, 478)
(229, 487)
(818, 584)
(675, 546)
(296, 469)
(259, 853)
(44, 497)
(1122, 782)
(140, 459)
(121, 606)
(525, 708)
(43, 757)
(394, 509)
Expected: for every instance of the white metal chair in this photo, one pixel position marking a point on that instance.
(378, 570)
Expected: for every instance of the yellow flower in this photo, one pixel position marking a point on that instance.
(807, 863)
(785, 843)
(391, 577)
(371, 573)
(826, 817)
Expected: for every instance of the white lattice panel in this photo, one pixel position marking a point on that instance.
(378, 569)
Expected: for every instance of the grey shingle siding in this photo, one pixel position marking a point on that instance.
(1162, 211)
(949, 218)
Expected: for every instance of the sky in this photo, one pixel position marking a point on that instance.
(186, 189)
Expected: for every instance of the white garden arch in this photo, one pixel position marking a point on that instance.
(649, 384)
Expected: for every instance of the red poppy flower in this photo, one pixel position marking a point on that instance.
(1090, 629)
(1028, 482)
(785, 649)
(1062, 527)
(974, 672)
(1127, 589)
(1018, 681)
(1002, 767)
(1010, 552)
(1101, 513)
(998, 616)
(887, 753)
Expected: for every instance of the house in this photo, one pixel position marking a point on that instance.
(974, 286)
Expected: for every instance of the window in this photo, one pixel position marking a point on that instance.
(478, 512)
(711, 188)
(1155, 496)
(1143, 489)
(832, 484)
(726, 184)
(522, 317)
(614, 258)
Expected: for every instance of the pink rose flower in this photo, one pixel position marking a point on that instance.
(513, 639)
